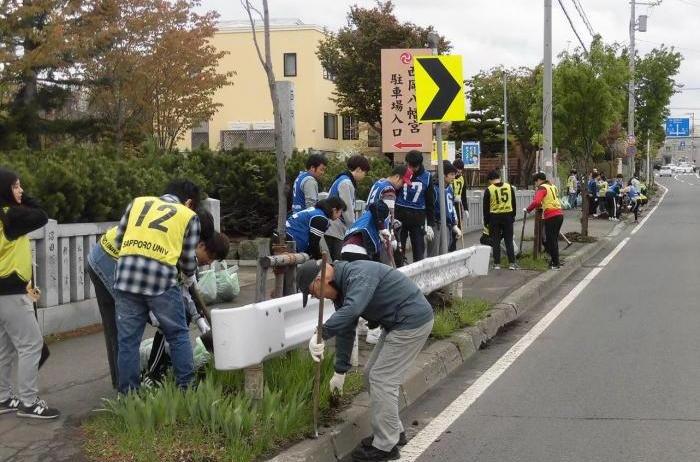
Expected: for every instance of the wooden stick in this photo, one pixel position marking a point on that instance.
(460, 219)
(319, 339)
(522, 233)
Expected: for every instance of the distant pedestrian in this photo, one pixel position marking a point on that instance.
(368, 235)
(414, 208)
(572, 188)
(345, 187)
(602, 194)
(387, 298)
(459, 185)
(20, 336)
(547, 198)
(305, 190)
(306, 228)
(499, 212)
(635, 200)
(612, 199)
(592, 191)
(435, 247)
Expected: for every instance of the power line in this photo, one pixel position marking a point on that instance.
(572, 26)
(584, 17)
(689, 3)
(694, 50)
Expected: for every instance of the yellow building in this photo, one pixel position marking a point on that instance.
(246, 115)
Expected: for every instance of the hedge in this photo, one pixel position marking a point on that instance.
(94, 183)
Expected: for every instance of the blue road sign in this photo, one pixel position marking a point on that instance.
(471, 154)
(678, 127)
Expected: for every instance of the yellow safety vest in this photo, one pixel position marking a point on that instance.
(602, 188)
(108, 243)
(458, 187)
(15, 256)
(551, 200)
(501, 198)
(156, 230)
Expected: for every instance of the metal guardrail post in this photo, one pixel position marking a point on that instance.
(254, 375)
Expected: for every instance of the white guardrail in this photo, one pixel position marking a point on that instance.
(250, 334)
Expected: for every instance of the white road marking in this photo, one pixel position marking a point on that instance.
(426, 437)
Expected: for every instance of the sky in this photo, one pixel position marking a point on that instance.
(490, 33)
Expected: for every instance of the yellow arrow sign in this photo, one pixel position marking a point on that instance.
(439, 88)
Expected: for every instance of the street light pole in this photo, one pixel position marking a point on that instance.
(547, 90)
(630, 100)
(505, 126)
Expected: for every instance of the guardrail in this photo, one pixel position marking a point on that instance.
(248, 335)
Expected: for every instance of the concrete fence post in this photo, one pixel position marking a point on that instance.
(47, 265)
(214, 207)
(254, 375)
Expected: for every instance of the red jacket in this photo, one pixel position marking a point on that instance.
(537, 203)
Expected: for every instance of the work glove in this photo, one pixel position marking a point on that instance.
(394, 244)
(457, 232)
(429, 233)
(396, 224)
(525, 211)
(466, 215)
(337, 382)
(385, 234)
(316, 349)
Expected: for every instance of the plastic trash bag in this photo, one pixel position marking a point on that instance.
(207, 285)
(227, 284)
(199, 352)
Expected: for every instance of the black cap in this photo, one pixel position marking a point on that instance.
(493, 175)
(448, 168)
(458, 164)
(306, 273)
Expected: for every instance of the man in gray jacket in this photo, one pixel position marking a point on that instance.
(384, 297)
(345, 187)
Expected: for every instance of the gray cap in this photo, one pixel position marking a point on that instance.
(306, 273)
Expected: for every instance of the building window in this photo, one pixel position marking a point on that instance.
(327, 75)
(290, 64)
(200, 135)
(351, 128)
(330, 126)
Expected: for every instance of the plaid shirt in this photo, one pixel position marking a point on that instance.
(145, 276)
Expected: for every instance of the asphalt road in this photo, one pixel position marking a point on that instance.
(615, 377)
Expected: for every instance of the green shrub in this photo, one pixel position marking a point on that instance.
(87, 183)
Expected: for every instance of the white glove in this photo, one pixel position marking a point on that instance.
(396, 224)
(316, 349)
(456, 230)
(466, 215)
(385, 234)
(429, 233)
(525, 211)
(337, 382)
(189, 280)
(394, 244)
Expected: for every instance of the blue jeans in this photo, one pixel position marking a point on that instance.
(572, 200)
(132, 315)
(103, 265)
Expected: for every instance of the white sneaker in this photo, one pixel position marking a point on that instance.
(373, 335)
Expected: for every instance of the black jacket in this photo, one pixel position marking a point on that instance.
(17, 222)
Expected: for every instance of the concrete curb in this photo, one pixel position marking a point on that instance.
(440, 359)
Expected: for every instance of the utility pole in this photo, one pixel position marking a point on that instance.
(630, 96)
(433, 43)
(505, 126)
(547, 91)
(641, 26)
(648, 156)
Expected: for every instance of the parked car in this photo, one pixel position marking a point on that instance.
(666, 171)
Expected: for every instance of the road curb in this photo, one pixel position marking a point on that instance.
(439, 359)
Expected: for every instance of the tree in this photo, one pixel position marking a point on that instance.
(353, 56)
(589, 99)
(41, 45)
(654, 87)
(481, 126)
(159, 73)
(266, 63)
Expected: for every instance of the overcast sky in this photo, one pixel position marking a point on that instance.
(489, 33)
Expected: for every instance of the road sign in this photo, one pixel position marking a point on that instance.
(448, 152)
(677, 127)
(439, 88)
(401, 131)
(631, 140)
(471, 154)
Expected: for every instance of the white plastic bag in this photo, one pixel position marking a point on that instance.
(227, 284)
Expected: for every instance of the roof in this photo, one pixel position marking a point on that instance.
(243, 25)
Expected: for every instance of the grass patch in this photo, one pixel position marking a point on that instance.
(527, 262)
(460, 313)
(215, 421)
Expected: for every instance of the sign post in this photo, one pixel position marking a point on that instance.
(401, 130)
(440, 98)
